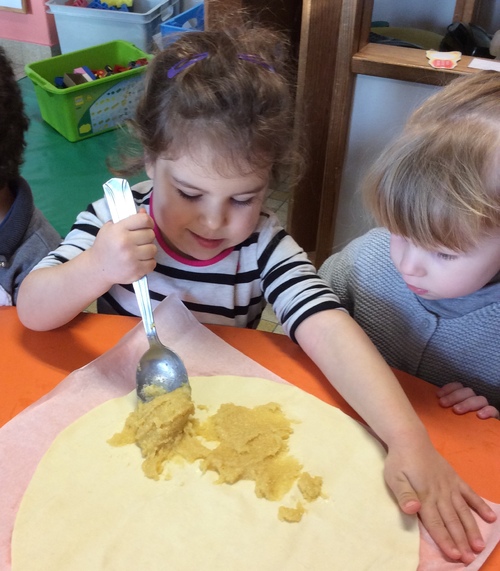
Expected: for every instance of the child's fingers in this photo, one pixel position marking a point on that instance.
(142, 236)
(126, 250)
(461, 527)
(477, 503)
(452, 525)
(458, 516)
(435, 522)
(473, 403)
(488, 412)
(448, 389)
(443, 501)
(457, 396)
(146, 252)
(464, 400)
(138, 221)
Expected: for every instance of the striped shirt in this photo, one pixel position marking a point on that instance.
(230, 289)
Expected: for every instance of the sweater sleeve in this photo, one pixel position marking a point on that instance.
(338, 271)
(41, 238)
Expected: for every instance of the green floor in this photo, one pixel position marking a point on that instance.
(63, 176)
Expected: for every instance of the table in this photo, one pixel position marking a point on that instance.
(35, 362)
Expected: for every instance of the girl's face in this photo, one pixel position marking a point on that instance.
(444, 274)
(200, 212)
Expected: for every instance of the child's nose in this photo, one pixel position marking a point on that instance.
(214, 217)
(411, 263)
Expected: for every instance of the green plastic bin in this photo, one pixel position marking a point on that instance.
(92, 108)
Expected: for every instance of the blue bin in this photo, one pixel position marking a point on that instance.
(189, 21)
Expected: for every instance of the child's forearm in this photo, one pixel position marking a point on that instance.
(420, 479)
(350, 361)
(52, 296)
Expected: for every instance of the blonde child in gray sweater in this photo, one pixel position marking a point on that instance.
(426, 286)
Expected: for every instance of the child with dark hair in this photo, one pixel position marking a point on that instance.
(426, 285)
(25, 235)
(215, 127)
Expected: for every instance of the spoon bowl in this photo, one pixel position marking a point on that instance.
(160, 369)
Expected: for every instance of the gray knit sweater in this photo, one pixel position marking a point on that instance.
(438, 341)
(25, 238)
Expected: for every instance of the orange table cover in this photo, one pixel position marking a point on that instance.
(35, 362)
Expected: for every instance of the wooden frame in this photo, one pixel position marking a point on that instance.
(355, 55)
(318, 60)
(14, 6)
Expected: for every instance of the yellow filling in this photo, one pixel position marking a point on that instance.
(242, 444)
(157, 428)
(291, 515)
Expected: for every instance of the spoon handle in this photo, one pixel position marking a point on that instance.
(121, 205)
(142, 293)
(119, 197)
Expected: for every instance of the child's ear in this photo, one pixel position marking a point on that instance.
(149, 167)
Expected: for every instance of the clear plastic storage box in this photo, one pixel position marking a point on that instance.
(80, 28)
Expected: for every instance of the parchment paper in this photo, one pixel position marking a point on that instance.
(25, 439)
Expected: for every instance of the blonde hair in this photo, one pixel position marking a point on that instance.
(438, 183)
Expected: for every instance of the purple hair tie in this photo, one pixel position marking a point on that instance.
(189, 61)
(185, 63)
(253, 58)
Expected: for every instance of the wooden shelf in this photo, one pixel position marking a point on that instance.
(406, 64)
(356, 56)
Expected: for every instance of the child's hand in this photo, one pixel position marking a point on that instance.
(125, 251)
(464, 399)
(424, 483)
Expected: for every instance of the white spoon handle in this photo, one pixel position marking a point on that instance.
(121, 205)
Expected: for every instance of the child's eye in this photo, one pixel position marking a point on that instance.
(246, 202)
(447, 257)
(190, 197)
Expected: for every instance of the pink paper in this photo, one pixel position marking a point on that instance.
(25, 439)
(432, 559)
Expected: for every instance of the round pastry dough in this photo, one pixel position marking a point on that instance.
(90, 507)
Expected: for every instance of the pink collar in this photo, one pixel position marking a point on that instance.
(187, 261)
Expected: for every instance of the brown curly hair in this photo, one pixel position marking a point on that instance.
(241, 109)
(13, 123)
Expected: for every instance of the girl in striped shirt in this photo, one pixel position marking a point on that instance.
(215, 127)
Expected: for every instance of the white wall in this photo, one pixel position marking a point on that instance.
(380, 109)
(381, 106)
(433, 15)
(425, 14)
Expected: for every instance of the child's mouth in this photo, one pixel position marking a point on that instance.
(417, 290)
(209, 243)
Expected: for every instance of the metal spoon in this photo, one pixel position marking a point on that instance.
(159, 367)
